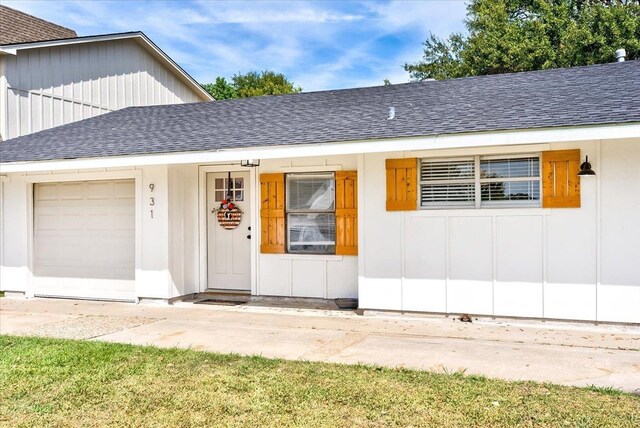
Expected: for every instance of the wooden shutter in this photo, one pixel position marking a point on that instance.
(402, 184)
(560, 181)
(347, 213)
(272, 213)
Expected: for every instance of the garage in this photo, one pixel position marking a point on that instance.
(84, 239)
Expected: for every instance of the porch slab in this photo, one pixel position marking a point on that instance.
(565, 353)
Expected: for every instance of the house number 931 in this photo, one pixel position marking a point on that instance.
(152, 200)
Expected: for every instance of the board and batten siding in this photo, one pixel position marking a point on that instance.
(52, 86)
(308, 275)
(569, 263)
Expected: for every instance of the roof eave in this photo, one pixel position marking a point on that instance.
(414, 145)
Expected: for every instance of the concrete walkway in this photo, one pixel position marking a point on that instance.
(569, 354)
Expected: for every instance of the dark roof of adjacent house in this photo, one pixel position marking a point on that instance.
(20, 27)
(590, 95)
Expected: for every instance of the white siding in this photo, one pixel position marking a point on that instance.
(295, 275)
(183, 229)
(152, 277)
(53, 86)
(579, 264)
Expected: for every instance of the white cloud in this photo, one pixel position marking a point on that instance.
(438, 16)
(318, 45)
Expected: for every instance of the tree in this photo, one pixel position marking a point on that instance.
(221, 90)
(251, 84)
(518, 35)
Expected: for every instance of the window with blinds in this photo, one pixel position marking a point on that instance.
(447, 182)
(510, 181)
(480, 181)
(311, 213)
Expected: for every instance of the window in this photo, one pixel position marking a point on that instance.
(510, 181)
(480, 181)
(447, 182)
(221, 189)
(311, 213)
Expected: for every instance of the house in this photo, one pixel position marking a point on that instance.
(460, 196)
(50, 77)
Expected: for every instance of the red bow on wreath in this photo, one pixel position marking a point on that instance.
(226, 204)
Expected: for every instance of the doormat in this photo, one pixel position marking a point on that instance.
(219, 302)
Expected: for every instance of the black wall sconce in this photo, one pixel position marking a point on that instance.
(585, 168)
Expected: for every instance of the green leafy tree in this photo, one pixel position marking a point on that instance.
(519, 35)
(251, 84)
(221, 90)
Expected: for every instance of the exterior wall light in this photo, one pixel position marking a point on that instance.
(250, 163)
(585, 168)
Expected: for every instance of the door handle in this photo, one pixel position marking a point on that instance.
(248, 236)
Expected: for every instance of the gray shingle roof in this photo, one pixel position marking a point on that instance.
(591, 95)
(20, 27)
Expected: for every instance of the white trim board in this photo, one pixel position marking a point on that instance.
(413, 144)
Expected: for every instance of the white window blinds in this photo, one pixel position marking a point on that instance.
(480, 181)
(447, 182)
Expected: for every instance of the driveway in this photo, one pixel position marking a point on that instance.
(564, 353)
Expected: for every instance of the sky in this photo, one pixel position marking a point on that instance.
(317, 44)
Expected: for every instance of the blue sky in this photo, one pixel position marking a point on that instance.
(317, 44)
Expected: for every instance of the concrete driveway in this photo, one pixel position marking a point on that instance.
(564, 353)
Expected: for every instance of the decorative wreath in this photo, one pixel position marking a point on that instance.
(229, 214)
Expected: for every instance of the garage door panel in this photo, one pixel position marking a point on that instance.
(124, 190)
(70, 222)
(46, 222)
(84, 236)
(71, 192)
(125, 221)
(100, 190)
(47, 192)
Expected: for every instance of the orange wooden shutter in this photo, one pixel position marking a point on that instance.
(402, 184)
(560, 181)
(347, 213)
(272, 213)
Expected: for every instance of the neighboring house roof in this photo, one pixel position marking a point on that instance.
(591, 95)
(20, 27)
(138, 36)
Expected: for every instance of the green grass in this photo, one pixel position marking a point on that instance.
(48, 382)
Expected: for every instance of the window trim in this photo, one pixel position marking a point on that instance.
(287, 211)
(477, 182)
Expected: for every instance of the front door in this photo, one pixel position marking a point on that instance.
(229, 250)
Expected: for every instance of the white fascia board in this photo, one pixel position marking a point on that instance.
(137, 35)
(485, 139)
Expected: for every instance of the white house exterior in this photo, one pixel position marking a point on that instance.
(54, 82)
(466, 200)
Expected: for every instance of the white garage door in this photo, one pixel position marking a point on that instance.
(84, 239)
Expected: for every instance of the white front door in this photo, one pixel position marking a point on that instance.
(229, 251)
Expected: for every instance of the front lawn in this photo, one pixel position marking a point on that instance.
(47, 382)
